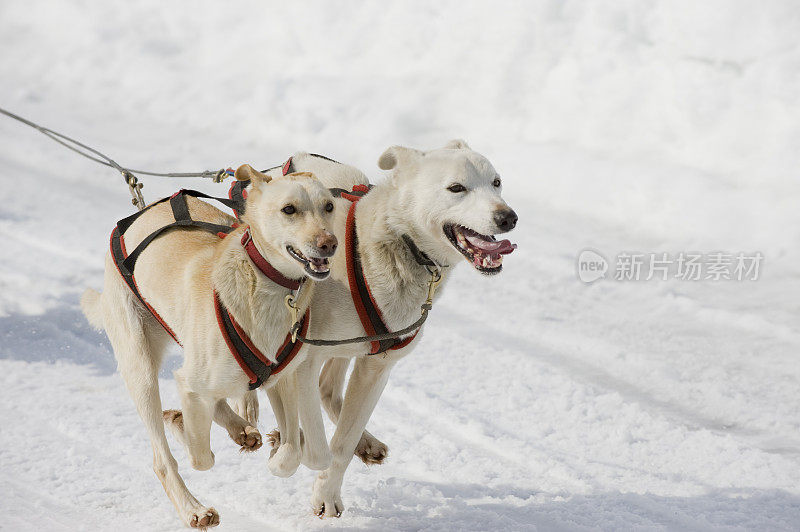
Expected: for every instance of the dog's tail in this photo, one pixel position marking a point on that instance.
(92, 306)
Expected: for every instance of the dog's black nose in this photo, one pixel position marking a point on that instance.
(506, 219)
(326, 244)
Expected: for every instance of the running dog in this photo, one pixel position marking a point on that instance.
(184, 278)
(442, 207)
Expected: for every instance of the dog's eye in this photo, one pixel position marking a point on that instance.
(289, 209)
(329, 207)
(496, 182)
(456, 187)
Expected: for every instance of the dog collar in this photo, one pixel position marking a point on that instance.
(420, 256)
(264, 266)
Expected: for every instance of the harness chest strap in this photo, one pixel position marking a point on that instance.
(368, 311)
(255, 365)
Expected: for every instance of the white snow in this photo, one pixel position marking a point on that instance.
(534, 401)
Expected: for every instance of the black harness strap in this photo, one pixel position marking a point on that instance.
(318, 156)
(238, 194)
(183, 220)
(420, 256)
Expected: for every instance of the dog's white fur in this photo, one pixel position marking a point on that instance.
(175, 274)
(415, 201)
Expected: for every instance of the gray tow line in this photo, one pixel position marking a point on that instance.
(128, 174)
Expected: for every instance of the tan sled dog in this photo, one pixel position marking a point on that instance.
(448, 202)
(290, 220)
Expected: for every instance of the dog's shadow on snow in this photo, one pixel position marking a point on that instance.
(62, 334)
(403, 505)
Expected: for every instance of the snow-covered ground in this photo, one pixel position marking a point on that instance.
(534, 401)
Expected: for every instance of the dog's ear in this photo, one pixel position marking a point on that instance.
(248, 173)
(397, 155)
(457, 144)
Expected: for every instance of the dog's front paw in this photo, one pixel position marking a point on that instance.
(326, 500)
(249, 439)
(371, 450)
(284, 460)
(202, 518)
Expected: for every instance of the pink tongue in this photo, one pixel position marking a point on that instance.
(500, 247)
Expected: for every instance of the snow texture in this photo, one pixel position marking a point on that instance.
(534, 402)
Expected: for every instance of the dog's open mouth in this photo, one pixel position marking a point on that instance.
(485, 252)
(315, 267)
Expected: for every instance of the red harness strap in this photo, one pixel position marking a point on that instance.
(288, 167)
(118, 242)
(367, 308)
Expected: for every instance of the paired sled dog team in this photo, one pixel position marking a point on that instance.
(218, 285)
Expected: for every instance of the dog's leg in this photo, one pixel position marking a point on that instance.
(197, 416)
(363, 391)
(331, 383)
(247, 407)
(274, 437)
(316, 453)
(285, 459)
(139, 358)
(173, 419)
(276, 403)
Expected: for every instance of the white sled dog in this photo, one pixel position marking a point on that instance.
(447, 202)
(289, 220)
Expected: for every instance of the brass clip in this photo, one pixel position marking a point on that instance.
(135, 189)
(436, 278)
(294, 311)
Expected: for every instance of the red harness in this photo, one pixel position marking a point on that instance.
(368, 311)
(256, 366)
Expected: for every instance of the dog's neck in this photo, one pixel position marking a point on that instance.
(396, 280)
(256, 302)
